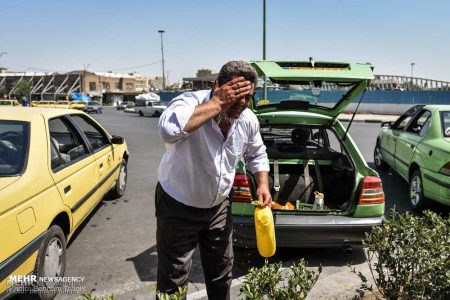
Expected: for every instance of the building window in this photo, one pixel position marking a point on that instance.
(106, 86)
(92, 86)
(116, 86)
(129, 86)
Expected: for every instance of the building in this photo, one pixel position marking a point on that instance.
(106, 87)
(155, 84)
(203, 80)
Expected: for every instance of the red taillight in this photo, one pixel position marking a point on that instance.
(371, 191)
(241, 189)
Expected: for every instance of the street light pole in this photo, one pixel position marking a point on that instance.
(162, 54)
(412, 73)
(264, 47)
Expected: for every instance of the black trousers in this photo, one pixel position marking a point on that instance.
(180, 228)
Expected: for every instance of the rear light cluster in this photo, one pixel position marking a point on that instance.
(445, 169)
(371, 191)
(241, 189)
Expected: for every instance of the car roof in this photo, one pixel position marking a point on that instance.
(438, 107)
(28, 113)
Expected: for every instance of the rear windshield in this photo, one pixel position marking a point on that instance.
(445, 115)
(5, 102)
(93, 103)
(14, 138)
(318, 93)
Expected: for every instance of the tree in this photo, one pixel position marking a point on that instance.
(4, 91)
(23, 88)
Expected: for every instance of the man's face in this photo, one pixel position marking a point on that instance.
(237, 108)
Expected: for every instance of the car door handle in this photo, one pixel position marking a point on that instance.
(67, 189)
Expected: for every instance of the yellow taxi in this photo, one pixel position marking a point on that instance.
(62, 104)
(80, 105)
(9, 103)
(49, 103)
(55, 167)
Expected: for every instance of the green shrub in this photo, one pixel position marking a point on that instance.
(268, 282)
(178, 295)
(89, 296)
(409, 257)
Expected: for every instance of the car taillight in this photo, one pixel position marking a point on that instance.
(371, 191)
(445, 169)
(241, 189)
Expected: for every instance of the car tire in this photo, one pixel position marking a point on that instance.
(416, 195)
(121, 183)
(157, 114)
(51, 259)
(141, 113)
(380, 164)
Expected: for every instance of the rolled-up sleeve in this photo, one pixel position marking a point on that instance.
(255, 154)
(175, 117)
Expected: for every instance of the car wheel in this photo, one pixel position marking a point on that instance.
(141, 113)
(51, 259)
(416, 195)
(121, 184)
(157, 114)
(380, 164)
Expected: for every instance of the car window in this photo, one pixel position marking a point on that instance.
(66, 140)
(445, 117)
(14, 139)
(335, 144)
(56, 159)
(401, 123)
(97, 138)
(420, 124)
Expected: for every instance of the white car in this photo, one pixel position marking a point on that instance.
(150, 108)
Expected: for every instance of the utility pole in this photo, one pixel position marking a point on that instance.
(3, 53)
(162, 54)
(412, 74)
(264, 48)
(83, 85)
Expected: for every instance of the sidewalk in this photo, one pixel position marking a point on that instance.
(367, 118)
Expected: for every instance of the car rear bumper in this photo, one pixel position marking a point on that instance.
(307, 231)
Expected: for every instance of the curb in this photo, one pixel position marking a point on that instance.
(362, 121)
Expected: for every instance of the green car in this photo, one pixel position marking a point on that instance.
(326, 195)
(417, 146)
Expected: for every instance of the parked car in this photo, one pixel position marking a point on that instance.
(93, 107)
(55, 167)
(80, 105)
(150, 108)
(310, 151)
(417, 147)
(62, 104)
(122, 105)
(9, 103)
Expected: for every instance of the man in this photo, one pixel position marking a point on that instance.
(206, 133)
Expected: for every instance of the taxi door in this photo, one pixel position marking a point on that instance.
(103, 152)
(74, 169)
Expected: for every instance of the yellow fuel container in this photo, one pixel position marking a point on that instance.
(265, 231)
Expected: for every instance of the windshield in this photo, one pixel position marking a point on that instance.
(445, 117)
(93, 103)
(13, 147)
(318, 93)
(5, 102)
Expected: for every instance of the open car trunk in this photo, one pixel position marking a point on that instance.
(304, 160)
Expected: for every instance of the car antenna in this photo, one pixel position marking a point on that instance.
(354, 113)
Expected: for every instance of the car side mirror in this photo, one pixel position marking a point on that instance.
(386, 124)
(118, 140)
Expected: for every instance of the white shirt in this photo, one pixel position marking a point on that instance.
(198, 168)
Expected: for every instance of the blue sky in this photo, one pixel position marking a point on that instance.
(117, 35)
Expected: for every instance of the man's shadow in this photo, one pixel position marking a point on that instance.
(146, 266)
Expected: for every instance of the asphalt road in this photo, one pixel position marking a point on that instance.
(115, 248)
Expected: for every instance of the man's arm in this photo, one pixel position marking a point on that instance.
(257, 162)
(263, 192)
(224, 97)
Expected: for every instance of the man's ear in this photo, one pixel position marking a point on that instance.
(216, 84)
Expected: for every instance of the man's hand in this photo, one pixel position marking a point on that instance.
(264, 197)
(232, 91)
(263, 192)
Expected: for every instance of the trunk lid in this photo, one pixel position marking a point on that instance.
(324, 88)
